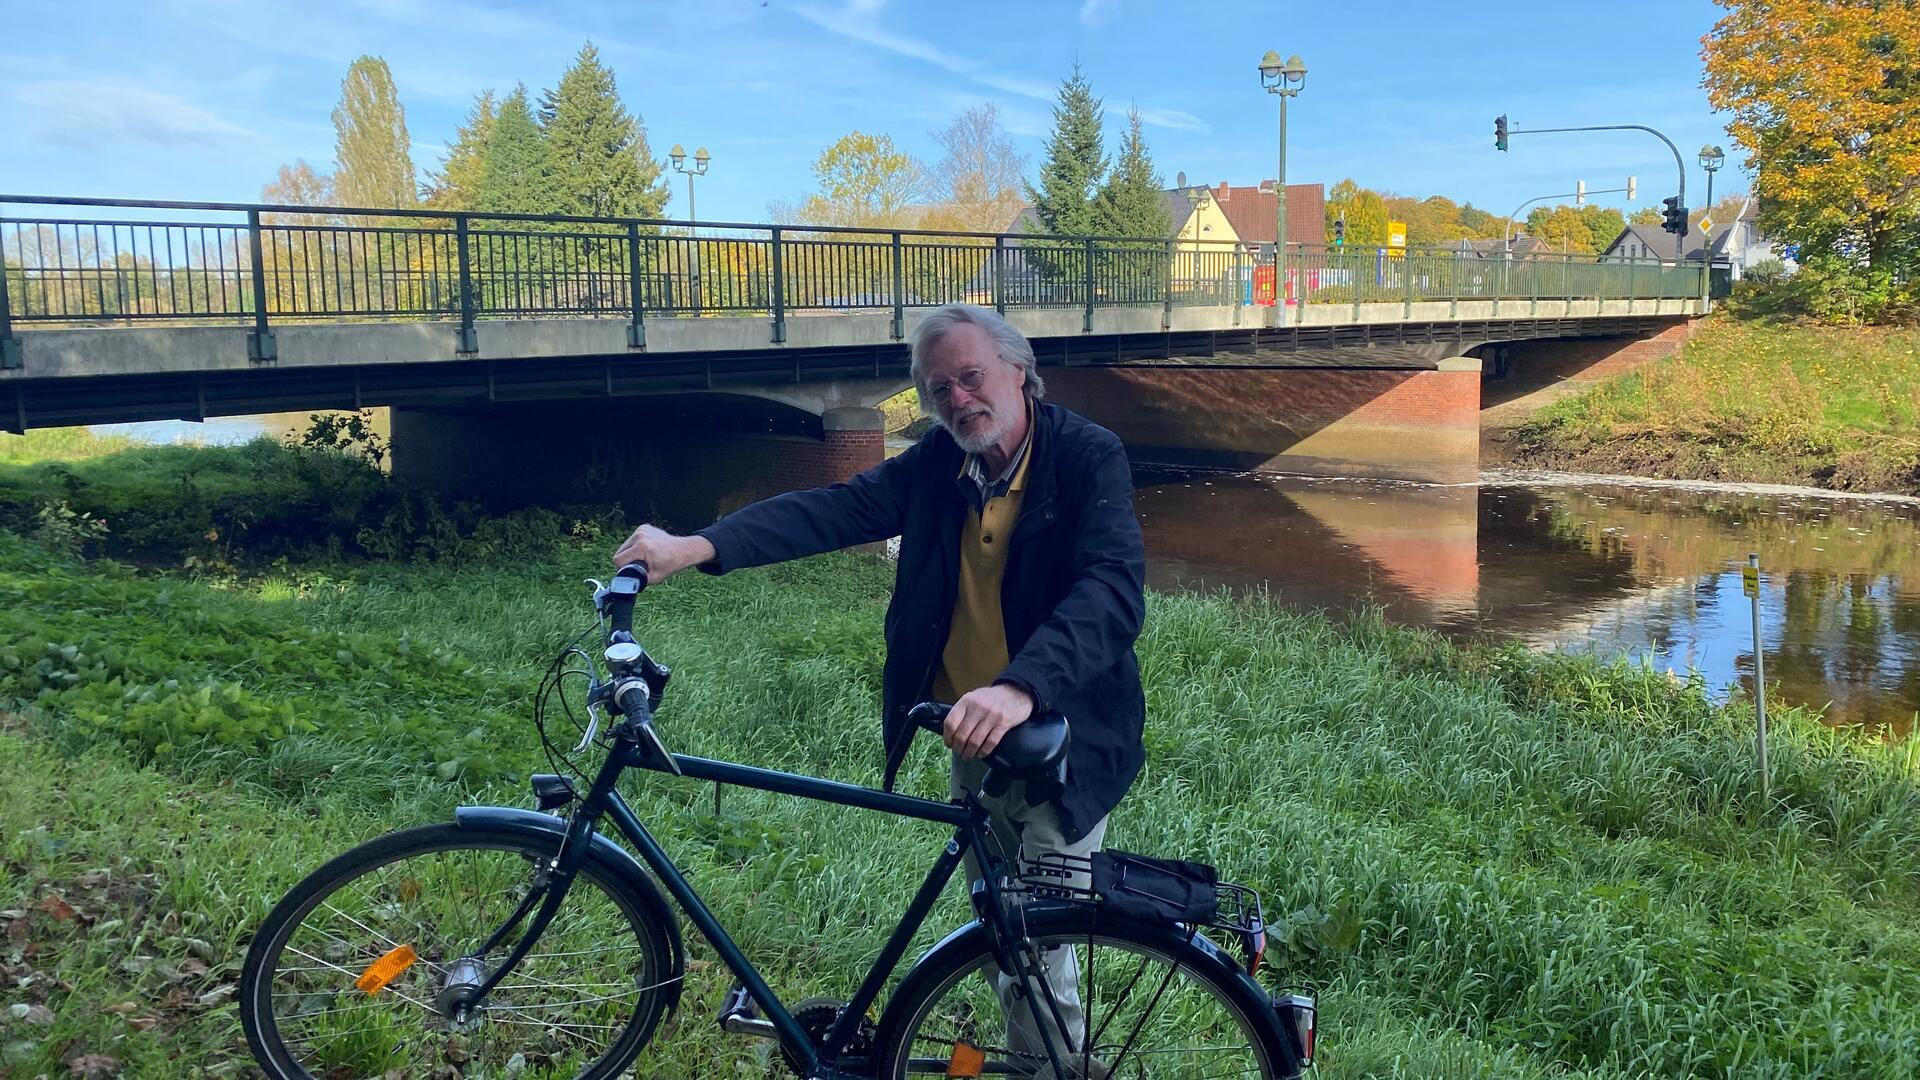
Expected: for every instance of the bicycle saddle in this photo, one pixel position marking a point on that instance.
(1035, 751)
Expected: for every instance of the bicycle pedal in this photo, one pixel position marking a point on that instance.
(740, 1014)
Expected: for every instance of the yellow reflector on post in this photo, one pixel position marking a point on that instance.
(966, 1060)
(386, 969)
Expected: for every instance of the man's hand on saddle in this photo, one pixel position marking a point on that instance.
(664, 553)
(982, 717)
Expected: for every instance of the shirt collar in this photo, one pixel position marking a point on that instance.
(974, 468)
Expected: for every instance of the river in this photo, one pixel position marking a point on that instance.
(1648, 571)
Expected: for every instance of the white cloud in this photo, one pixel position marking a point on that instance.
(84, 112)
(1095, 13)
(858, 22)
(1174, 119)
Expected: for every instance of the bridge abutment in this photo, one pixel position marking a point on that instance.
(679, 461)
(1394, 424)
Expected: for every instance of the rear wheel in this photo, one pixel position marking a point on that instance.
(1151, 1005)
(363, 967)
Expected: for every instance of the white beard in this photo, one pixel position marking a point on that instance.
(981, 437)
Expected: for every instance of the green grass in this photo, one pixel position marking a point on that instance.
(1495, 864)
(1754, 401)
(58, 444)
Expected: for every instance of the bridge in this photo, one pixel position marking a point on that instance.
(659, 348)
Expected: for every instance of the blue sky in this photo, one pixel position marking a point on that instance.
(203, 99)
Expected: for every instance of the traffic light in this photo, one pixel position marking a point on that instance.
(1500, 132)
(1339, 232)
(1674, 218)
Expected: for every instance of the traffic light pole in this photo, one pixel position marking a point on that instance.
(1678, 164)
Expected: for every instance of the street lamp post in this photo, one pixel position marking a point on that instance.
(1286, 80)
(678, 156)
(1711, 158)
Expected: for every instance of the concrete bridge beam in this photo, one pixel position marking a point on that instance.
(1395, 424)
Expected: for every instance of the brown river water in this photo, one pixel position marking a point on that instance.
(1651, 572)
(1577, 563)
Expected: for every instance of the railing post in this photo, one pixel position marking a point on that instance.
(1086, 325)
(261, 347)
(1533, 288)
(779, 293)
(1377, 259)
(1000, 274)
(1166, 295)
(899, 289)
(1453, 284)
(637, 329)
(1235, 299)
(1406, 271)
(466, 338)
(9, 345)
(1631, 263)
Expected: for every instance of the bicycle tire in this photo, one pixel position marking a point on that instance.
(1211, 1012)
(352, 1031)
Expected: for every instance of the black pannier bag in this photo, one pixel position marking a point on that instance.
(1156, 890)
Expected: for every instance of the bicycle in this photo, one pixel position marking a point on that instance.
(515, 942)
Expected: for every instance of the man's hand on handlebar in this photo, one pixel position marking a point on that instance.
(664, 553)
(981, 717)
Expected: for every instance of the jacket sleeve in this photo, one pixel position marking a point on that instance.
(1100, 616)
(868, 508)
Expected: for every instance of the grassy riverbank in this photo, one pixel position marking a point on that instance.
(1495, 864)
(1753, 402)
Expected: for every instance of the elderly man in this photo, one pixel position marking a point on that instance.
(1019, 587)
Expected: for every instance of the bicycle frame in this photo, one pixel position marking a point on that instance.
(968, 819)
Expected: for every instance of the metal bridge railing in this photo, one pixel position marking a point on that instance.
(103, 262)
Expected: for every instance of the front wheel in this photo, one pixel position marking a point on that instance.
(361, 969)
(1129, 1000)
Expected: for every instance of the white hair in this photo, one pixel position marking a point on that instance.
(1010, 344)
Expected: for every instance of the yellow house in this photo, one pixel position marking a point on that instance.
(1207, 249)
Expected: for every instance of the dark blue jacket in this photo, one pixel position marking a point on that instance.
(1072, 596)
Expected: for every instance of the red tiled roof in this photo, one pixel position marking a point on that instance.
(1251, 211)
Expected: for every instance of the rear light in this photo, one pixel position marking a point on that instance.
(1298, 1011)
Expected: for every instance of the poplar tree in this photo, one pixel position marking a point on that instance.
(372, 154)
(601, 164)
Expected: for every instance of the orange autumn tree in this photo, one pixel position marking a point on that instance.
(1826, 99)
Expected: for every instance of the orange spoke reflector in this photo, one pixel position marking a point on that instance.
(388, 968)
(966, 1061)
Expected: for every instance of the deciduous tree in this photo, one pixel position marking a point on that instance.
(1825, 97)
(977, 183)
(864, 180)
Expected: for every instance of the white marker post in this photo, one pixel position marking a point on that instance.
(1750, 584)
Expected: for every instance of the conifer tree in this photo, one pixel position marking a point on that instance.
(515, 174)
(598, 151)
(1130, 202)
(1074, 165)
(457, 185)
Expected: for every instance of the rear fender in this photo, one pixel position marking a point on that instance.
(618, 860)
(975, 937)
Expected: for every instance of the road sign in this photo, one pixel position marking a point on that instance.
(1706, 224)
(1750, 580)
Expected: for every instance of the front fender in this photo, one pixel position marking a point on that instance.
(618, 860)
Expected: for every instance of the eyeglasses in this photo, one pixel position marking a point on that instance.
(969, 380)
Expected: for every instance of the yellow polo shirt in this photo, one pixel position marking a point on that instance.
(977, 644)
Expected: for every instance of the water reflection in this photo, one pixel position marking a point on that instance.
(1650, 572)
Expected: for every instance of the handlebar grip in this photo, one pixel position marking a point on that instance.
(626, 586)
(931, 715)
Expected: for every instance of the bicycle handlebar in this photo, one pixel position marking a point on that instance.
(618, 599)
